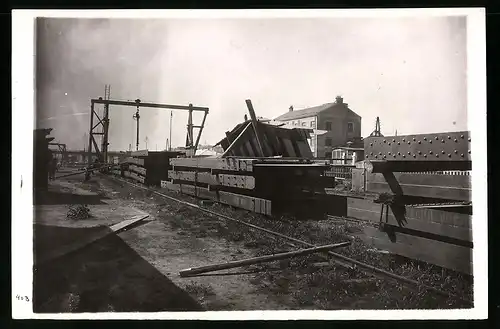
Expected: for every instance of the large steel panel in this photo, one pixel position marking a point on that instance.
(452, 146)
(453, 187)
(439, 222)
(439, 253)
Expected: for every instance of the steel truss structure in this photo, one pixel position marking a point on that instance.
(62, 149)
(102, 152)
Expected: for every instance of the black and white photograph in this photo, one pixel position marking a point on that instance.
(189, 163)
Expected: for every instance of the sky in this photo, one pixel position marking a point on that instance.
(411, 72)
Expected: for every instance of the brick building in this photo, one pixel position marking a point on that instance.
(334, 124)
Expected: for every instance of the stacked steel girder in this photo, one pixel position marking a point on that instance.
(247, 183)
(418, 192)
(275, 141)
(146, 167)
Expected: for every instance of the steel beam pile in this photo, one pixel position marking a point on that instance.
(146, 167)
(273, 141)
(261, 164)
(418, 192)
(248, 183)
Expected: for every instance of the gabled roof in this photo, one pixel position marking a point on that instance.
(309, 112)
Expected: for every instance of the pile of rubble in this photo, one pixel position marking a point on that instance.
(78, 212)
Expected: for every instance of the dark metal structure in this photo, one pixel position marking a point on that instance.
(254, 138)
(418, 194)
(41, 157)
(101, 152)
(376, 132)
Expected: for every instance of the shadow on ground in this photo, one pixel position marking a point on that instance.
(105, 276)
(56, 198)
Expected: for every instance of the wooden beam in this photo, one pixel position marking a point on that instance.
(259, 260)
(256, 128)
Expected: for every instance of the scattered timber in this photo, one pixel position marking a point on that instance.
(261, 259)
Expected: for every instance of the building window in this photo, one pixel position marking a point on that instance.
(328, 142)
(350, 127)
(328, 155)
(313, 124)
(328, 126)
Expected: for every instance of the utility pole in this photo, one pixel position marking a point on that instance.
(136, 116)
(170, 137)
(105, 125)
(377, 132)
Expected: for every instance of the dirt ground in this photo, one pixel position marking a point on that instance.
(138, 270)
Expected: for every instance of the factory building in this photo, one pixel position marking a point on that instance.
(333, 124)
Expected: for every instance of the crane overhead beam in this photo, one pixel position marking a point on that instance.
(151, 105)
(191, 142)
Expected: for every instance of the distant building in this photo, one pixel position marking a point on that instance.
(333, 124)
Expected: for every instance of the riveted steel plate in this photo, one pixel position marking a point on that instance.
(246, 182)
(228, 164)
(451, 146)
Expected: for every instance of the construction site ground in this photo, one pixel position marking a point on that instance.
(138, 270)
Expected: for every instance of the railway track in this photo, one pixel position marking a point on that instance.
(337, 258)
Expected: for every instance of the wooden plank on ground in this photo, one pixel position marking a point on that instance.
(439, 222)
(455, 187)
(446, 255)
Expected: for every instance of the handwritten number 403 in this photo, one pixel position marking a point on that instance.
(23, 298)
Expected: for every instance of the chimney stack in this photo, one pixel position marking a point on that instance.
(290, 109)
(339, 100)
